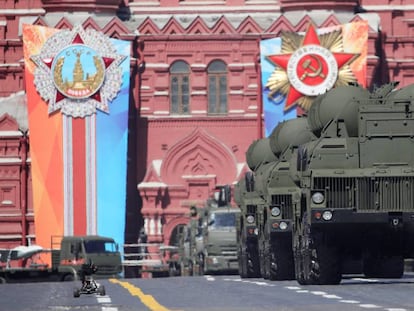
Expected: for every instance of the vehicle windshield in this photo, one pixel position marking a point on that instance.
(100, 246)
(222, 220)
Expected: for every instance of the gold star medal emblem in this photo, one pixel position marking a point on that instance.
(77, 72)
(309, 66)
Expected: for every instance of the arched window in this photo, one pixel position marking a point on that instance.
(180, 88)
(217, 87)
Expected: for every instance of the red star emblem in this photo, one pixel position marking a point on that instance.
(312, 69)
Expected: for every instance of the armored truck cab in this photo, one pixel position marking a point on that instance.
(219, 240)
(209, 242)
(102, 251)
(66, 256)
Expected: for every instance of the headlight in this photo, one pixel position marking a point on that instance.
(250, 219)
(318, 198)
(283, 225)
(275, 211)
(327, 215)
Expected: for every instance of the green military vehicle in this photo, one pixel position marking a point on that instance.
(217, 248)
(187, 249)
(266, 196)
(250, 202)
(357, 185)
(340, 187)
(67, 254)
(279, 193)
(208, 243)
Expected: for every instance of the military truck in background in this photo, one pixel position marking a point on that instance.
(209, 242)
(187, 244)
(217, 248)
(341, 180)
(67, 254)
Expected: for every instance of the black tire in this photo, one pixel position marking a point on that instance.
(281, 260)
(201, 264)
(264, 255)
(174, 269)
(249, 265)
(76, 293)
(319, 262)
(253, 261)
(190, 268)
(249, 261)
(242, 259)
(298, 248)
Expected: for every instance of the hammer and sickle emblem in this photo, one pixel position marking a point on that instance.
(314, 72)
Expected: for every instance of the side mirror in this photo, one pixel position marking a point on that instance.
(224, 195)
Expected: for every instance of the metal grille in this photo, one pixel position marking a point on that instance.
(228, 250)
(285, 203)
(368, 193)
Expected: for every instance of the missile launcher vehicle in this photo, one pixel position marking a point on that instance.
(341, 185)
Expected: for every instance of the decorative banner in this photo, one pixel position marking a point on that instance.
(298, 67)
(77, 85)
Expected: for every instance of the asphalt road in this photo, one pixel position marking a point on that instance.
(214, 293)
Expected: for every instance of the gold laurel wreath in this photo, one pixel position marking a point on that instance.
(57, 74)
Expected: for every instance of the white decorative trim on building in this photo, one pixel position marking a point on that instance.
(11, 134)
(156, 65)
(241, 65)
(250, 115)
(10, 160)
(199, 93)
(161, 112)
(152, 184)
(161, 93)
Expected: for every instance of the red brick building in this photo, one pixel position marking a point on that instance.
(195, 91)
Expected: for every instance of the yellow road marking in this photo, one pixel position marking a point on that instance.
(147, 300)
